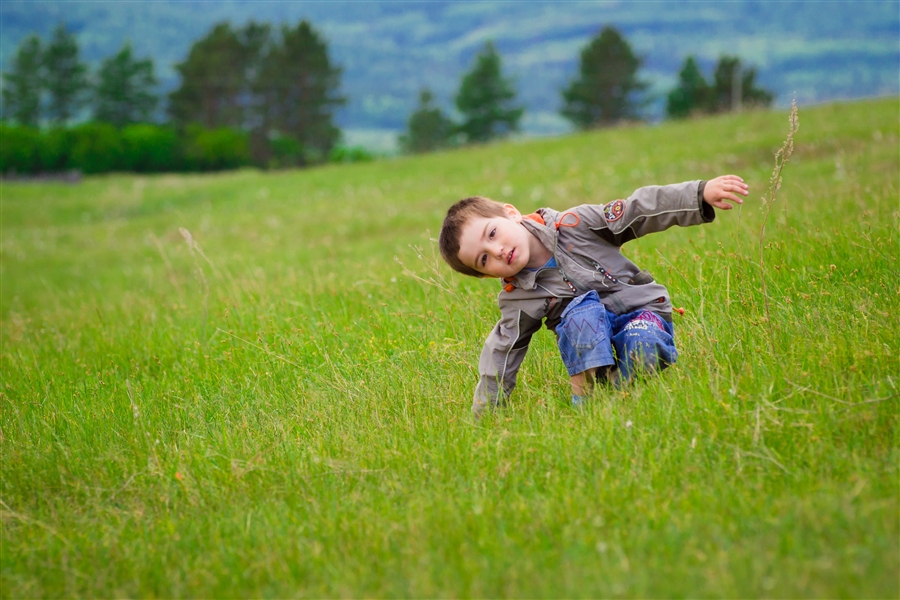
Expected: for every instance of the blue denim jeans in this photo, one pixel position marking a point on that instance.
(590, 336)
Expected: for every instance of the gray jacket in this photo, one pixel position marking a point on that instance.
(586, 242)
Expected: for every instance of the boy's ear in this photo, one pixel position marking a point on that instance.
(513, 213)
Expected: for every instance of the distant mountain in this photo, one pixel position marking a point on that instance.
(815, 50)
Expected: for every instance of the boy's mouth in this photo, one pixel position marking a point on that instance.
(509, 256)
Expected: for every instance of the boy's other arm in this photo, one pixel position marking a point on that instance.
(502, 355)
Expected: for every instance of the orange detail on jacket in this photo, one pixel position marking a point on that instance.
(562, 218)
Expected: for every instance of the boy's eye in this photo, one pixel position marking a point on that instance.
(493, 231)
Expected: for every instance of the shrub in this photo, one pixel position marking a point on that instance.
(287, 151)
(55, 149)
(150, 148)
(19, 149)
(351, 154)
(96, 148)
(216, 149)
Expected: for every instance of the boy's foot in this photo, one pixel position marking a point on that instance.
(578, 401)
(610, 376)
(615, 379)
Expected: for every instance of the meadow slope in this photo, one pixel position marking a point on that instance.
(258, 384)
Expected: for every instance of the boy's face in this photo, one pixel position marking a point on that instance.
(497, 246)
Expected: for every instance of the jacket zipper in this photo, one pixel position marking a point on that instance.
(568, 283)
(606, 274)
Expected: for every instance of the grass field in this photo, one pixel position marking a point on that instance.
(258, 384)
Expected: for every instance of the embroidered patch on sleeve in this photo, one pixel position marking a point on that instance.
(614, 211)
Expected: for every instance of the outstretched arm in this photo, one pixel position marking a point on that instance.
(647, 210)
(722, 188)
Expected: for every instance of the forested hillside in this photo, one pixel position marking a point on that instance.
(389, 51)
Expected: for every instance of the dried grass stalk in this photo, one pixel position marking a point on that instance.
(781, 158)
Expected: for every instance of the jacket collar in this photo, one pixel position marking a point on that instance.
(547, 235)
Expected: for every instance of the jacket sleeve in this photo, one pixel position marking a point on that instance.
(649, 210)
(502, 355)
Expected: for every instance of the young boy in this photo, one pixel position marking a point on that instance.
(610, 318)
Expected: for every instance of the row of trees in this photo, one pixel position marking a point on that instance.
(606, 91)
(732, 87)
(50, 83)
(268, 97)
(279, 86)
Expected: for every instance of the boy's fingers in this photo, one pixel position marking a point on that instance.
(733, 182)
(721, 204)
(738, 187)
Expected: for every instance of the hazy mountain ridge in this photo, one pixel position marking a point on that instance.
(390, 50)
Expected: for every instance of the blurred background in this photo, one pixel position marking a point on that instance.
(383, 55)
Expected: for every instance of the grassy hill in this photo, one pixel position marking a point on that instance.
(258, 384)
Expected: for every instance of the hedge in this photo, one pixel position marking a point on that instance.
(148, 148)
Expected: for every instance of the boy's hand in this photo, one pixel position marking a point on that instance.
(725, 187)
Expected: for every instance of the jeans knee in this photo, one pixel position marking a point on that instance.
(641, 355)
(644, 353)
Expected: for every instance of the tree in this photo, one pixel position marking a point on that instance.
(428, 128)
(734, 87)
(23, 84)
(124, 92)
(607, 88)
(691, 95)
(486, 99)
(65, 76)
(218, 77)
(255, 41)
(298, 92)
(281, 91)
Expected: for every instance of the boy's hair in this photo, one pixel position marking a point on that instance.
(457, 216)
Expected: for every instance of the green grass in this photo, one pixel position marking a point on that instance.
(280, 408)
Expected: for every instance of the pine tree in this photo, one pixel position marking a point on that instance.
(23, 84)
(428, 128)
(486, 99)
(692, 93)
(298, 91)
(217, 77)
(255, 40)
(607, 88)
(734, 87)
(65, 76)
(283, 90)
(124, 92)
